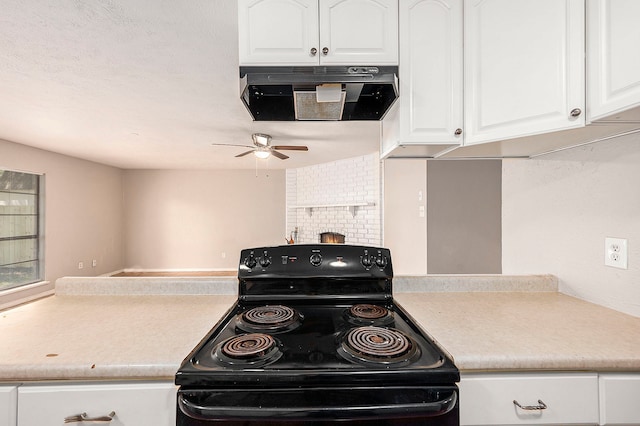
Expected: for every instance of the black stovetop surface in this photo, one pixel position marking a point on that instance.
(310, 353)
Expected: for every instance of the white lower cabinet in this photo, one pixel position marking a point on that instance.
(549, 398)
(619, 399)
(8, 405)
(134, 404)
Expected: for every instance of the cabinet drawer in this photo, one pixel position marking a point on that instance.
(619, 399)
(8, 403)
(487, 399)
(134, 404)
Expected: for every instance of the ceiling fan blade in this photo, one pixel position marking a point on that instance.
(231, 144)
(279, 155)
(244, 153)
(291, 147)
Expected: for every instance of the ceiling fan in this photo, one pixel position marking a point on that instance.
(262, 147)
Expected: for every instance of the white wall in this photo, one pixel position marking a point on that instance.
(558, 209)
(83, 210)
(186, 220)
(404, 223)
(340, 182)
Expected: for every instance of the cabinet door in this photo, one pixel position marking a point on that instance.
(524, 68)
(613, 58)
(431, 71)
(488, 399)
(8, 404)
(619, 399)
(276, 32)
(134, 404)
(358, 32)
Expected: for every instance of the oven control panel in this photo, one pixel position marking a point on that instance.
(315, 260)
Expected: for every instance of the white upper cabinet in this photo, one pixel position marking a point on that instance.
(278, 31)
(358, 32)
(427, 118)
(431, 71)
(613, 55)
(524, 68)
(313, 32)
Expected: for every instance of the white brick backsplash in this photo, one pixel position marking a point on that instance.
(354, 180)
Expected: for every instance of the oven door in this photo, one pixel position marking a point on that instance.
(360, 405)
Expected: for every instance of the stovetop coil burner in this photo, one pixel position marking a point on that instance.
(269, 318)
(254, 349)
(367, 314)
(378, 345)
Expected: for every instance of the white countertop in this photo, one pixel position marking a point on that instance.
(103, 337)
(107, 334)
(527, 331)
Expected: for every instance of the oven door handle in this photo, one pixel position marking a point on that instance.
(204, 412)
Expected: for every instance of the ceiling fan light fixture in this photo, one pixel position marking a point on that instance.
(261, 139)
(262, 153)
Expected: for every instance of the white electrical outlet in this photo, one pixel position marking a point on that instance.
(94, 263)
(80, 265)
(615, 252)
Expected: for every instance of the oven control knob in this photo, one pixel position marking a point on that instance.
(366, 261)
(264, 261)
(381, 261)
(315, 259)
(250, 262)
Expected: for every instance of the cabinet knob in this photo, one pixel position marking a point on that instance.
(325, 51)
(458, 132)
(313, 51)
(576, 112)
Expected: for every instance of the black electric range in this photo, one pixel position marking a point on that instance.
(316, 337)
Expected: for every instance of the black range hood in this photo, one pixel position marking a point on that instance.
(318, 93)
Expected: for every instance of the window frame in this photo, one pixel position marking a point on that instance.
(38, 288)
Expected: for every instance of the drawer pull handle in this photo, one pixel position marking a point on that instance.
(78, 418)
(541, 406)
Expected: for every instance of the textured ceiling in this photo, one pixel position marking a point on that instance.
(143, 84)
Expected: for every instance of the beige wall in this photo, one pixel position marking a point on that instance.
(405, 230)
(141, 219)
(558, 209)
(459, 232)
(83, 210)
(181, 219)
